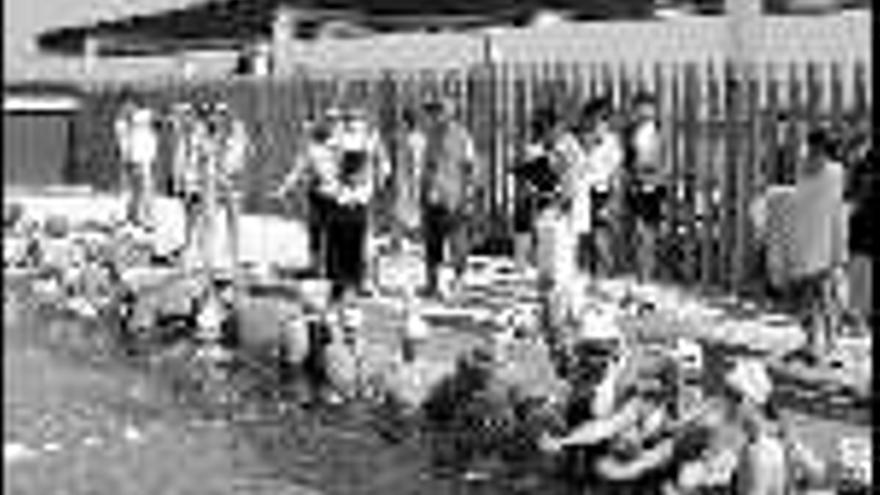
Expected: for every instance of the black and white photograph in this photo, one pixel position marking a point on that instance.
(460, 247)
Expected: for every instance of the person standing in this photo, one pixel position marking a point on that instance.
(188, 132)
(647, 183)
(447, 190)
(819, 236)
(138, 145)
(408, 168)
(229, 147)
(595, 207)
(359, 157)
(863, 196)
(316, 168)
(557, 158)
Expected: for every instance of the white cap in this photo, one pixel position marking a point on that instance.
(352, 317)
(751, 379)
(142, 116)
(596, 324)
(688, 353)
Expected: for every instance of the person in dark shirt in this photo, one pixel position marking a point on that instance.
(862, 194)
(647, 182)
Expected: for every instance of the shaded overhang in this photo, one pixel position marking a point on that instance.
(232, 24)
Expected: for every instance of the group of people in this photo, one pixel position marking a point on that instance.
(591, 196)
(210, 150)
(817, 224)
(606, 182)
(345, 165)
(628, 432)
(590, 200)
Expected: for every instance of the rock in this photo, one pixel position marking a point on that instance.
(14, 452)
(268, 321)
(15, 251)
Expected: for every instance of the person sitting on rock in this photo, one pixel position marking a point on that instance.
(628, 449)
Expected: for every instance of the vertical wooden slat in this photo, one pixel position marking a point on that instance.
(835, 91)
(750, 175)
(814, 94)
(710, 246)
(731, 165)
(861, 95)
(689, 173)
(502, 132)
(679, 119)
(795, 112)
(771, 135)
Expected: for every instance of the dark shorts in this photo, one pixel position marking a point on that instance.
(523, 215)
(647, 204)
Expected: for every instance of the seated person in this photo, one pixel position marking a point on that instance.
(629, 445)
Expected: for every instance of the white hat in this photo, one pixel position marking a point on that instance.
(599, 325)
(688, 353)
(333, 113)
(751, 379)
(142, 116)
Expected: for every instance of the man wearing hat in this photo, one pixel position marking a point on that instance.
(447, 189)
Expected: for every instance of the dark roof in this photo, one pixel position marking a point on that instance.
(228, 23)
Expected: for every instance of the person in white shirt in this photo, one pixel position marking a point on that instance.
(363, 167)
(556, 156)
(316, 168)
(597, 192)
(819, 236)
(138, 146)
(229, 146)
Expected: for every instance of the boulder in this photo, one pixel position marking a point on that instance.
(269, 321)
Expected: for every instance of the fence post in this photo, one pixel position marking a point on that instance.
(686, 195)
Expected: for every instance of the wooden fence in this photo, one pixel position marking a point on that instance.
(720, 125)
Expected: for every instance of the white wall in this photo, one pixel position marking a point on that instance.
(844, 38)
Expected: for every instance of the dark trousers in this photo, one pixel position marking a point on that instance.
(346, 228)
(646, 210)
(318, 213)
(597, 251)
(443, 226)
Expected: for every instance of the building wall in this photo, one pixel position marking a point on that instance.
(35, 148)
(843, 38)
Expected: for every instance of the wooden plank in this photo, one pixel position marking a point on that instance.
(772, 135)
(814, 95)
(861, 89)
(690, 173)
(503, 133)
(730, 176)
(795, 112)
(709, 249)
(836, 92)
(749, 182)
